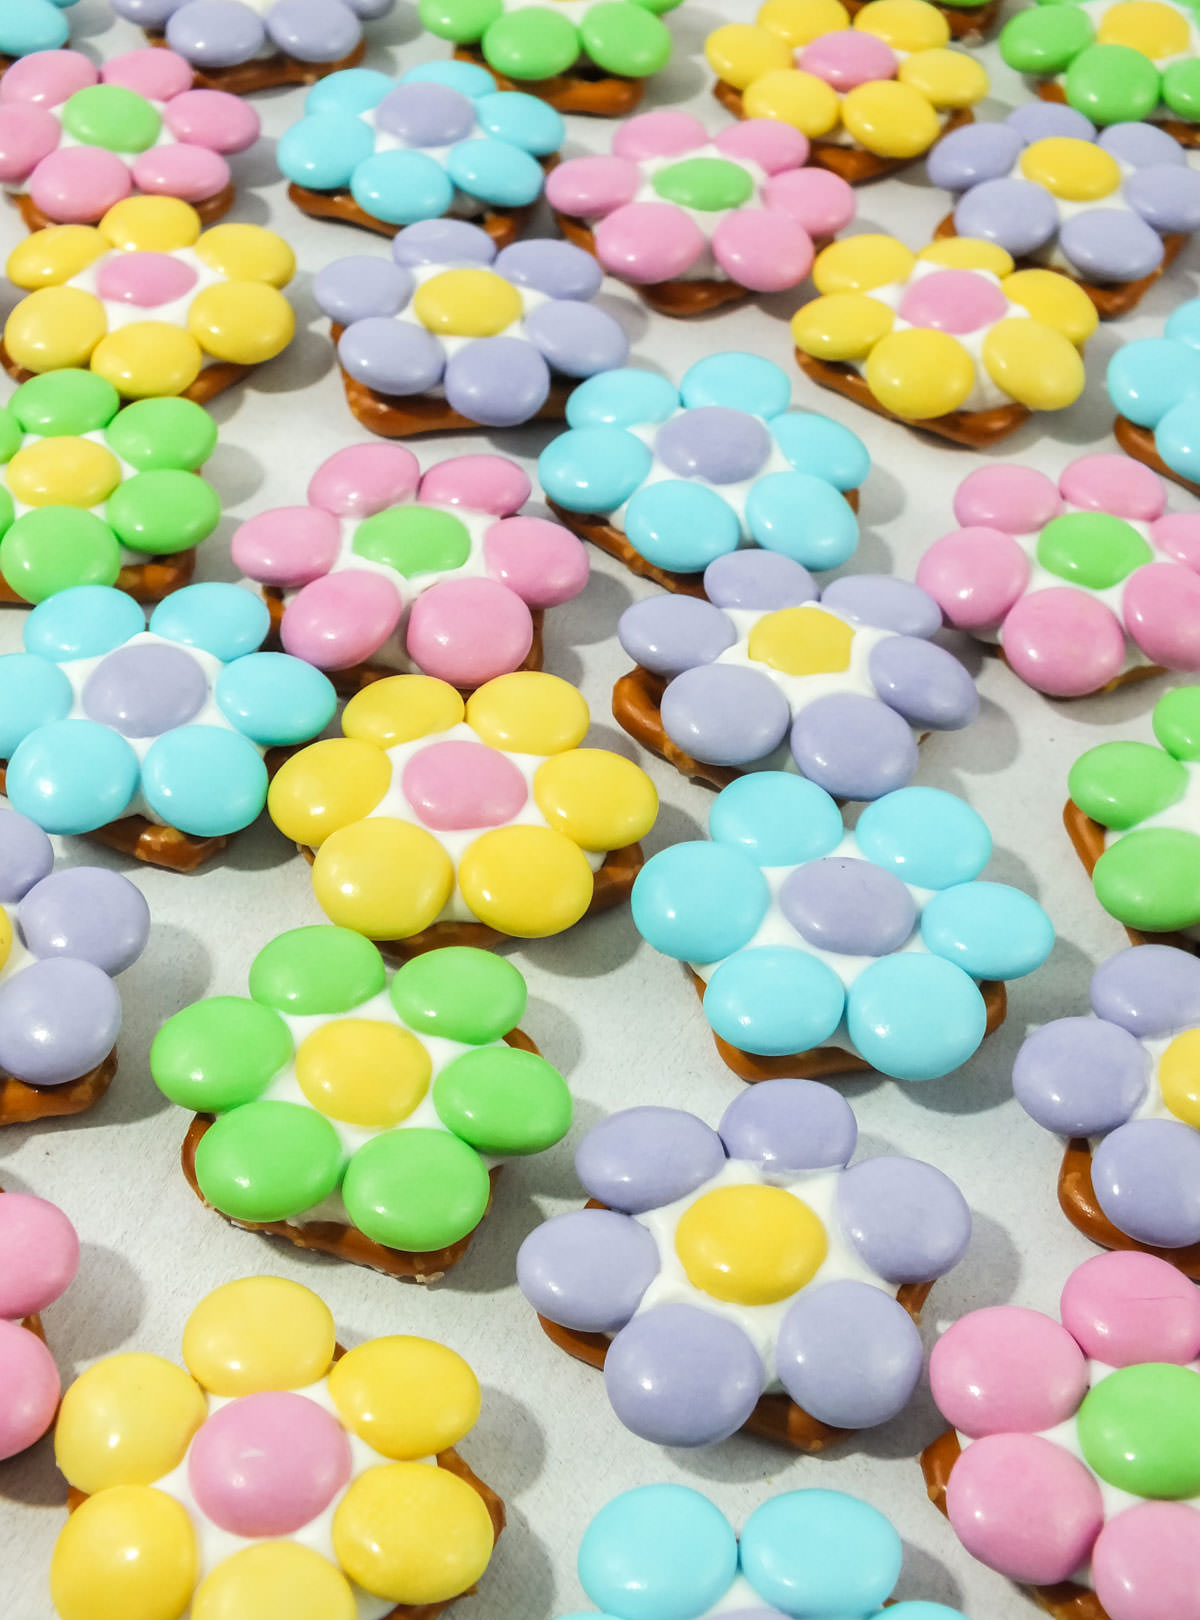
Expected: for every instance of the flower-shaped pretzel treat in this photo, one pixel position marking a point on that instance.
(32, 25)
(767, 672)
(440, 140)
(433, 822)
(63, 938)
(695, 220)
(1071, 1461)
(668, 479)
(148, 302)
(39, 1256)
(1112, 210)
(871, 94)
(152, 740)
(91, 494)
(1115, 61)
(659, 1550)
(582, 56)
(76, 139)
(1155, 385)
(388, 569)
(818, 951)
(1134, 819)
(952, 339)
(1083, 584)
(449, 333)
(744, 1277)
(279, 1475)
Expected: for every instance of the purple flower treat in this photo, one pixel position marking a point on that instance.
(63, 937)
(770, 672)
(746, 1277)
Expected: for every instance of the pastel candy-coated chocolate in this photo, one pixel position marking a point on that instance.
(31, 1388)
(268, 1465)
(1155, 382)
(977, 1372)
(625, 37)
(41, 1254)
(34, 25)
(225, 33)
(849, 1354)
(588, 1270)
(642, 1157)
(58, 1018)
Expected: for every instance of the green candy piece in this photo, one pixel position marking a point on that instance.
(1045, 39)
(532, 44)
(321, 969)
(10, 435)
(268, 1161)
(460, 993)
(154, 433)
(1150, 880)
(1091, 549)
(502, 1100)
(1177, 722)
(110, 116)
(1139, 1429)
(1119, 784)
(60, 403)
(414, 540)
(627, 40)
(659, 6)
(51, 548)
(1111, 84)
(416, 1190)
(1181, 89)
(706, 184)
(462, 21)
(163, 511)
(7, 509)
(219, 1053)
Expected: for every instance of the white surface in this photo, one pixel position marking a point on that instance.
(622, 1022)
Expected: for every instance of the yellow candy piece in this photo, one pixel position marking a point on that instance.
(126, 1421)
(861, 262)
(242, 321)
(801, 21)
(889, 118)
(412, 1533)
(1145, 26)
(150, 225)
(363, 1071)
(918, 374)
(1034, 364)
(406, 1397)
(467, 303)
(949, 79)
(528, 713)
(247, 253)
(1055, 301)
(1179, 1077)
(50, 257)
(128, 1554)
(792, 97)
(328, 785)
(526, 881)
(275, 1580)
(750, 1245)
(53, 328)
(6, 936)
(1076, 170)
(802, 641)
(841, 326)
(597, 799)
(968, 253)
(905, 25)
(384, 878)
(740, 53)
(259, 1333)
(63, 472)
(148, 359)
(401, 709)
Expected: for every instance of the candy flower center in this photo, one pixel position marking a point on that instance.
(750, 1245)
(467, 303)
(801, 641)
(363, 1071)
(1179, 1077)
(953, 301)
(1139, 1429)
(706, 184)
(1146, 26)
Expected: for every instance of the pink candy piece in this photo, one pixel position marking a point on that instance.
(455, 785)
(156, 74)
(763, 250)
(659, 134)
(47, 78)
(39, 1255)
(287, 546)
(146, 279)
(467, 631)
(1161, 604)
(1178, 534)
(1123, 1308)
(211, 118)
(1024, 1506)
(1016, 499)
(953, 301)
(541, 561)
(649, 242)
(267, 1464)
(27, 136)
(1146, 1563)
(848, 57)
(340, 620)
(364, 479)
(819, 201)
(772, 145)
(29, 1389)
(1004, 1368)
(591, 187)
(1064, 642)
(1114, 484)
(974, 576)
(482, 483)
(191, 173)
(78, 184)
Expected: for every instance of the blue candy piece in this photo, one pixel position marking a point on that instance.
(83, 622)
(72, 776)
(592, 469)
(813, 444)
(803, 517)
(1177, 438)
(352, 91)
(989, 930)
(743, 382)
(773, 1000)
(223, 620)
(821, 1553)
(777, 818)
(919, 1610)
(915, 1017)
(1146, 379)
(36, 25)
(468, 78)
(402, 187)
(699, 902)
(33, 692)
(360, 288)
(1183, 324)
(495, 171)
(680, 525)
(204, 780)
(274, 699)
(660, 1552)
(929, 838)
(323, 150)
(510, 115)
(622, 398)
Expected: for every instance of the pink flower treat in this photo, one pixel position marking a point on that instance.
(39, 1255)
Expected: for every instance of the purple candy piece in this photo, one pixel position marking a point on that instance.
(58, 1019)
(641, 1158)
(849, 1354)
(1016, 214)
(587, 1270)
(1142, 145)
(393, 357)
(1165, 197)
(1110, 244)
(426, 114)
(924, 683)
(714, 443)
(1081, 1076)
(786, 1126)
(358, 287)
(725, 714)
(144, 690)
(443, 242)
(575, 339)
(668, 634)
(681, 1376)
(759, 580)
(907, 1220)
(1150, 990)
(1147, 1181)
(86, 912)
(146, 13)
(313, 30)
(1038, 120)
(884, 603)
(26, 855)
(558, 269)
(854, 747)
(497, 382)
(974, 153)
(216, 33)
(848, 906)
